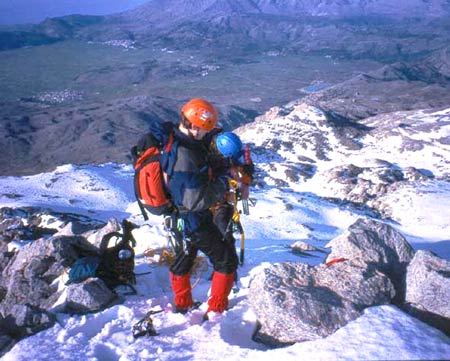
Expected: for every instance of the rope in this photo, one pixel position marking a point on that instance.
(167, 258)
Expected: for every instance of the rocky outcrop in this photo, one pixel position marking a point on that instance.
(295, 302)
(363, 184)
(367, 266)
(375, 244)
(381, 91)
(40, 248)
(428, 289)
(30, 275)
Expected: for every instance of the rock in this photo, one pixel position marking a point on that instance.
(32, 276)
(90, 295)
(301, 246)
(363, 184)
(5, 257)
(27, 282)
(428, 289)
(377, 244)
(24, 320)
(296, 302)
(413, 174)
(6, 341)
(95, 237)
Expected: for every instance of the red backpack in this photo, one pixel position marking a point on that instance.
(149, 178)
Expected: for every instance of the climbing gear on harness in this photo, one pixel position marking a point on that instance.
(176, 234)
(235, 222)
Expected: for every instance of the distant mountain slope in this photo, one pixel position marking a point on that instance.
(85, 134)
(394, 87)
(320, 26)
(188, 9)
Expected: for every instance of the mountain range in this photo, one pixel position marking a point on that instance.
(95, 82)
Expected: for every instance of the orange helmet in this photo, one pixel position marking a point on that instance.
(200, 113)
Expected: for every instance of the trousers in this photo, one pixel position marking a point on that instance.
(209, 240)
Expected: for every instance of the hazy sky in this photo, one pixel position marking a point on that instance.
(32, 11)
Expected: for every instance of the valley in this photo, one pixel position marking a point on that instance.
(78, 83)
(106, 71)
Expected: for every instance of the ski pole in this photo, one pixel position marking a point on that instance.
(237, 221)
(236, 218)
(245, 207)
(241, 255)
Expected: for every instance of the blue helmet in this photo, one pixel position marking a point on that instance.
(229, 144)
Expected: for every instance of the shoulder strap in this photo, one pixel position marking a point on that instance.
(105, 240)
(169, 156)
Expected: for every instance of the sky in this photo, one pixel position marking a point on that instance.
(105, 191)
(34, 11)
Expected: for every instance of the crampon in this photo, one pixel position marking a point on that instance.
(145, 325)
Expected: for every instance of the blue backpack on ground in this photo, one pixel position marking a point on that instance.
(83, 268)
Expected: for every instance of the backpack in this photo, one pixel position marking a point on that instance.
(117, 262)
(149, 177)
(83, 268)
(114, 265)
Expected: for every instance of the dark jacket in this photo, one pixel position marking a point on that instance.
(190, 184)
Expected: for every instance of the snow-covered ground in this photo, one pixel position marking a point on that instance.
(281, 217)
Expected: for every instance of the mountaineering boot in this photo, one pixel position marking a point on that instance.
(195, 306)
(221, 286)
(181, 287)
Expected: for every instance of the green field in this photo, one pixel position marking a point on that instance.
(103, 72)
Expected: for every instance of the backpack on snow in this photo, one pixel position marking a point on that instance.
(117, 262)
(149, 177)
(114, 265)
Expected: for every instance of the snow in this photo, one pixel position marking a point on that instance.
(281, 217)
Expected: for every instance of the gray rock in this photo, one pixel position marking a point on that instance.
(364, 184)
(428, 289)
(27, 288)
(24, 320)
(377, 244)
(296, 302)
(301, 246)
(88, 296)
(31, 276)
(95, 237)
(6, 342)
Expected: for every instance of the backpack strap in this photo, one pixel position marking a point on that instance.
(169, 157)
(106, 238)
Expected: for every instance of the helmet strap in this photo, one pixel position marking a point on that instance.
(185, 122)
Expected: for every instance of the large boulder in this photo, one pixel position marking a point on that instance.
(375, 244)
(28, 281)
(296, 302)
(37, 247)
(90, 295)
(428, 289)
(28, 277)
